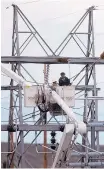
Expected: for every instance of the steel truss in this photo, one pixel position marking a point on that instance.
(91, 111)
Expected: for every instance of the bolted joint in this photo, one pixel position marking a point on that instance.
(62, 128)
(61, 60)
(12, 128)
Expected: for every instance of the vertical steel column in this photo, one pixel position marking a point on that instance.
(97, 132)
(20, 91)
(11, 112)
(94, 114)
(84, 140)
(10, 134)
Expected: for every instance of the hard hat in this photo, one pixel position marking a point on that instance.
(62, 73)
(54, 80)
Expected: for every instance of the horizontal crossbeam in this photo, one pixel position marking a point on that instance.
(80, 87)
(91, 164)
(26, 127)
(51, 60)
(89, 154)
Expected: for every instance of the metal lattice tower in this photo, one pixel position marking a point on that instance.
(90, 111)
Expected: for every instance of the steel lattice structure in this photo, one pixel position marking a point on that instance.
(89, 60)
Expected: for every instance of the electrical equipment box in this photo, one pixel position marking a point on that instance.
(32, 95)
(67, 93)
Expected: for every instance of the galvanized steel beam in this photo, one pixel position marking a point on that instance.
(78, 154)
(51, 60)
(91, 164)
(26, 127)
(80, 87)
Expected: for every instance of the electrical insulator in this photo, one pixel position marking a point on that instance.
(53, 147)
(53, 133)
(53, 140)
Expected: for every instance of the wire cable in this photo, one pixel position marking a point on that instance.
(5, 75)
(29, 2)
(4, 108)
(31, 116)
(89, 68)
(24, 3)
(5, 97)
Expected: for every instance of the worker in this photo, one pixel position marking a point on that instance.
(63, 80)
(102, 56)
(54, 107)
(4, 164)
(54, 84)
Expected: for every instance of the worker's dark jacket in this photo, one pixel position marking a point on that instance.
(64, 81)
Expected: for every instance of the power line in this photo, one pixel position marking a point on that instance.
(88, 70)
(5, 75)
(78, 114)
(4, 97)
(99, 82)
(78, 107)
(58, 17)
(4, 108)
(24, 3)
(27, 114)
(62, 16)
(43, 1)
(31, 116)
(29, 2)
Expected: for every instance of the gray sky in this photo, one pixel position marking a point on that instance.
(53, 20)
